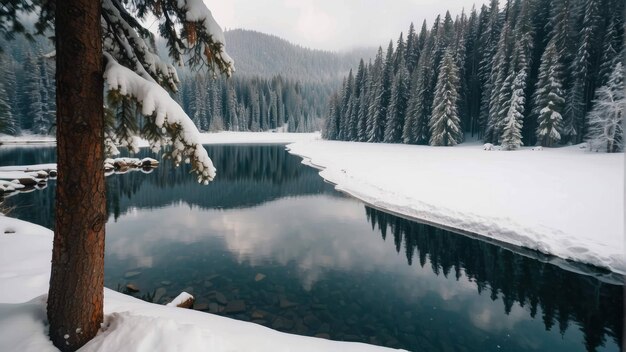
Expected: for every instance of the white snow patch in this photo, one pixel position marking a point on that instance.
(565, 202)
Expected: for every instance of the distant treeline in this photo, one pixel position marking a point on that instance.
(253, 103)
(546, 72)
(241, 103)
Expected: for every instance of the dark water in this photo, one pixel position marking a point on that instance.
(331, 266)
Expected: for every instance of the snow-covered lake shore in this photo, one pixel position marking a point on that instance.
(205, 138)
(565, 202)
(130, 324)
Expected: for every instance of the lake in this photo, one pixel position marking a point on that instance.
(270, 242)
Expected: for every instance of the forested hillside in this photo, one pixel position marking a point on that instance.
(530, 72)
(264, 55)
(277, 85)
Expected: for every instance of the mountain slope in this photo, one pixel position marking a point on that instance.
(265, 55)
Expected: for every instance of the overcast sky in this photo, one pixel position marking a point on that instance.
(333, 24)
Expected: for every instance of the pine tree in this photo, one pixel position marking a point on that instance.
(7, 122)
(33, 106)
(606, 132)
(489, 40)
(548, 99)
(610, 45)
(375, 119)
(511, 138)
(444, 124)
(397, 106)
(580, 93)
(412, 49)
(501, 82)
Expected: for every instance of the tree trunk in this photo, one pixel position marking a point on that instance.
(75, 300)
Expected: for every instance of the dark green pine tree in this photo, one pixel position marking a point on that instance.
(581, 91)
(445, 124)
(412, 49)
(489, 41)
(33, 107)
(8, 101)
(373, 110)
(501, 83)
(381, 99)
(548, 100)
(612, 42)
(416, 130)
(7, 122)
(399, 54)
(332, 125)
(363, 105)
(398, 105)
(472, 63)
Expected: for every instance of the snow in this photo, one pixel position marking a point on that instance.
(26, 139)
(181, 298)
(565, 202)
(224, 138)
(130, 324)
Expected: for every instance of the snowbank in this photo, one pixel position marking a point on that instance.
(27, 139)
(205, 138)
(565, 202)
(130, 324)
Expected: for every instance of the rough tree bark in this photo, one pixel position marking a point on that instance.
(75, 300)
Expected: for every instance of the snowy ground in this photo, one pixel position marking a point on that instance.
(206, 138)
(26, 139)
(130, 324)
(565, 202)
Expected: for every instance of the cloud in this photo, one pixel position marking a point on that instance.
(331, 24)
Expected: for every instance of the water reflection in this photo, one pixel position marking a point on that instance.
(297, 256)
(247, 176)
(562, 297)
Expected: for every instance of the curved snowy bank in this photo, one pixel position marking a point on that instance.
(130, 324)
(563, 202)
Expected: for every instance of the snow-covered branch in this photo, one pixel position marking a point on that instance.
(162, 111)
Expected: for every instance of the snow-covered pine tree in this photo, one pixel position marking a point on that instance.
(489, 39)
(7, 122)
(412, 49)
(501, 82)
(548, 98)
(421, 100)
(445, 128)
(33, 106)
(331, 123)
(581, 91)
(511, 137)
(472, 79)
(606, 133)
(346, 107)
(48, 92)
(398, 105)
(613, 40)
(375, 90)
(399, 54)
(364, 104)
(381, 100)
(409, 129)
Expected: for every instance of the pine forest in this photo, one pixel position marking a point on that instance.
(526, 72)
